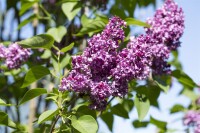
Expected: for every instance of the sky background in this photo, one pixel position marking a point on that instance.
(189, 57)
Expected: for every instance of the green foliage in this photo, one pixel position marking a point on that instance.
(160, 124)
(47, 115)
(34, 74)
(139, 124)
(32, 94)
(132, 21)
(119, 111)
(6, 121)
(184, 79)
(2, 103)
(67, 48)
(85, 124)
(142, 105)
(39, 41)
(108, 118)
(70, 9)
(57, 33)
(177, 108)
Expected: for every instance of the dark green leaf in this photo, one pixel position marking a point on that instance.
(119, 110)
(85, 124)
(6, 121)
(93, 27)
(32, 94)
(47, 115)
(34, 74)
(67, 48)
(26, 5)
(138, 124)
(158, 123)
(132, 21)
(85, 110)
(39, 41)
(108, 118)
(183, 78)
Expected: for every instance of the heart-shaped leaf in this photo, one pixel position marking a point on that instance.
(57, 33)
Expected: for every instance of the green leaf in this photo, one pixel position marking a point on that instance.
(26, 5)
(119, 110)
(47, 115)
(184, 78)
(39, 41)
(70, 9)
(2, 103)
(132, 21)
(162, 85)
(85, 110)
(190, 94)
(93, 27)
(6, 121)
(158, 123)
(26, 21)
(108, 118)
(67, 48)
(57, 33)
(177, 108)
(46, 54)
(34, 74)
(138, 124)
(30, 94)
(142, 104)
(85, 124)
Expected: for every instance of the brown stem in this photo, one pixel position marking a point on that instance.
(54, 123)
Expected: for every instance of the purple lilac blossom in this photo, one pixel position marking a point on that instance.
(102, 71)
(167, 25)
(192, 118)
(15, 56)
(92, 70)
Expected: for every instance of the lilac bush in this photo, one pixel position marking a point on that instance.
(102, 72)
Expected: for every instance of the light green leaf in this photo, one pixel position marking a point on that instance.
(158, 123)
(32, 93)
(34, 74)
(57, 33)
(67, 48)
(70, 9)
(132, 21)
(6, 121)
(46, 54)
(85, 124)
(93, 27)
(47, 115)
(183, 78)
(142, 104)
(162, 85)
(120, 111)
(39, 41)
(190, 94)
(2, 103)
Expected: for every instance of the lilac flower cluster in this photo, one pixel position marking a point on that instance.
(167, 25)
(14, 55)
(192, 118)
(92, 70)
(102, 71)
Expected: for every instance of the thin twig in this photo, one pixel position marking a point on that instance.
(54, 123)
